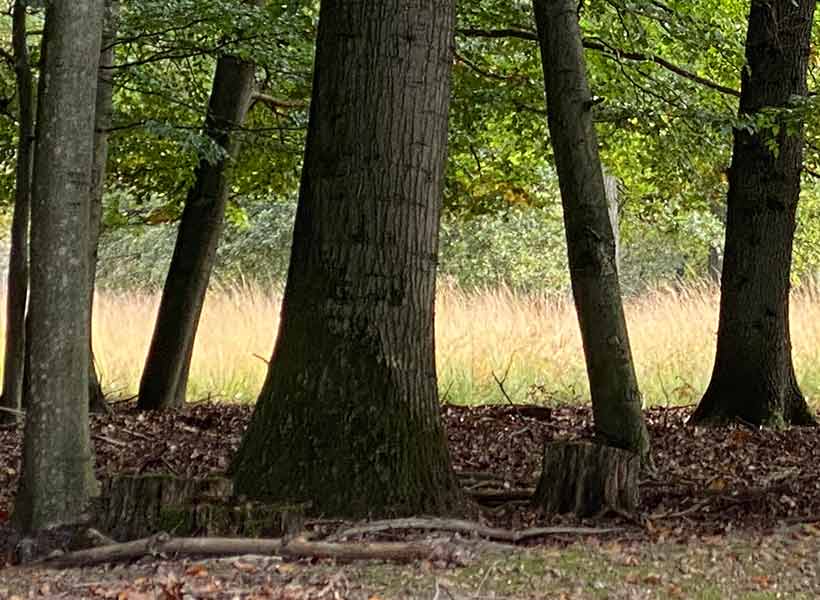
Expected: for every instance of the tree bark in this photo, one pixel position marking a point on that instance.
(165, 376)
(348, 418)
(616, 400)
(17, 288)
(753, 377)
(104, 112)
(57, 477)
(586, 479)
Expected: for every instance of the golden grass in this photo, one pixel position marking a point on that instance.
(524, 341)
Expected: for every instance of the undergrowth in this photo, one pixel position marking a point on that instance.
(528, 345)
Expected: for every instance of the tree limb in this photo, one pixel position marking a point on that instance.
(609, 52)
(470, 527)
(162, 544)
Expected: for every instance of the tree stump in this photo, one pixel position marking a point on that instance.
(137, 506)
(586, 478)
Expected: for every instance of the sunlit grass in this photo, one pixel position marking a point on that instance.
(529, 343)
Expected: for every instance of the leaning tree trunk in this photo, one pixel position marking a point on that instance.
(753, 376)
(57, 477)
(104, 111)
(17, 289)
(165, 376)
(348, 418)
(616, 400)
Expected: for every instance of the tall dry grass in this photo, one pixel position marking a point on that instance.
(529, 343)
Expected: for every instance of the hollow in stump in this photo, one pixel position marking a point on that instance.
(587, 479)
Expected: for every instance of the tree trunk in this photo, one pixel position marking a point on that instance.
(165, 376)
(17, 288)
(348, 418)
(587, 479)
(104, 111)
(57, 476)
(753, 378)
(616, 400)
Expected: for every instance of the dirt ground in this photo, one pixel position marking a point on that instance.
(727, 513)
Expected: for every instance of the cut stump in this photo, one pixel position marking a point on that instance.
(137, 506)
(587, 478)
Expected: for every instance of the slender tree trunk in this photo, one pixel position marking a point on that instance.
(348, 418)
(616, 400)
(104, 111)
(753, 377)
(17, 288)
(57, 476)
(165, 376)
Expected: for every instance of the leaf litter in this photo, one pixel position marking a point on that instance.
(727, 509)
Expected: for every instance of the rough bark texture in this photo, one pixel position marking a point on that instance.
(348, 418)
(165, 376)
(753, 377)
(611, 192)
(586, 479)
(57, 478)
(17, 287)
(104, 112)
(134, 506)
(616, 400)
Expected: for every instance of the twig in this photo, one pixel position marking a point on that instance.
(14, 411)
(470, 527)
(108, 440)
(680, 513)
(137, 434)
(262, 358)
(501, 381)
(498, 496)
(484, 579)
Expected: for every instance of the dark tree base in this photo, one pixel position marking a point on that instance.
(137, 506)
(722, 404)
(586, 479)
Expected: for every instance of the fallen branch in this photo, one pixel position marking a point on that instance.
(470, 527)
(392, 551)
(497, 496)
(163, 545)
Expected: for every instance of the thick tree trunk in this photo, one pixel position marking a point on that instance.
(165, 376)
(57, 476)
(616, 400)
(348, 418)
(17, 288)
(104, 112)
(753, 377)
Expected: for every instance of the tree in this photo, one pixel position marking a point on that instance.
(616, 400)
(17, 287)
(57, 476)
(165, 377)
(104, 112)
(348, 415)
(753, 377)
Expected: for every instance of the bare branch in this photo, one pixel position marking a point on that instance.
(610, 52)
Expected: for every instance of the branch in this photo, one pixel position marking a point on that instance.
(460, 526)
(479, 70)
(166, 545)
(609, 52)
(275, 103)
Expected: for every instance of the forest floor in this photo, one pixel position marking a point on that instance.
(726, 513)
